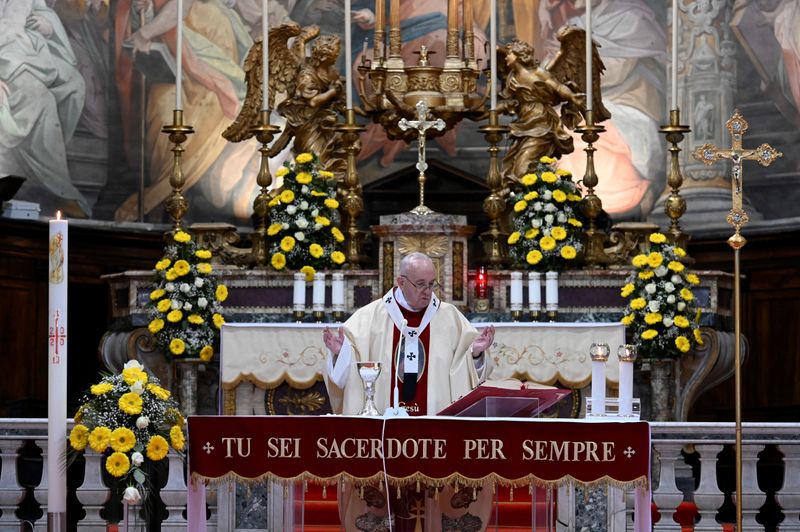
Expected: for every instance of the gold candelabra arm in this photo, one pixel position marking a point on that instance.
(675, 205)
(494, 240)
(177, 205)
(371, 102)
(264, 133)
(351, 192)
(594, 252)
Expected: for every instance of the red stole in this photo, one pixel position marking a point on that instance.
(419, 405)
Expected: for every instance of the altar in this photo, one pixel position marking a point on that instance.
(256, 357)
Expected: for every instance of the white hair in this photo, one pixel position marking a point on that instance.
(411, 258)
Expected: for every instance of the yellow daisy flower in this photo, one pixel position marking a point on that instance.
(337, 257)
(163, 264)
(157, 448)
(274, 201)
(692, 278)
(132, 375)
(207, 353)
(658, 238)
(563, 173)
(218, 320)
(549, 177)
(163, 305)
(682, 343)
(309, 271)
(171, 275)
(532, 195)
(639, 261)
(130, 403)
(676, 266)
(513, 238)
(645, 275)
(99, 439)
(649, 334)
(654, 259)
(546, 160)
(287, 196)
(203, 254)
(331, 203)
(638, 304)
(181, 267)
(627, 290)
(304, 178)
(531, 233)
(195, 319)
(337, 234)
(221, 293)
(321, 220)
(574, 223)
(698, 336)
(177, 346)
(529, 179)
(520, 205)
(679, 251)
(547, 243)
(182, 237)
(122, 439)
(204, 268)
(158, 391)
(652, 318)
(274, 229)
(282, 171)
(559, 196)
(533, 256)
(627, 319)
(681, 321)
(100, 389)
(568, 252)
(278, 261)
(118, 464)
(79, 437)
(174, 316)
(687, 294)
(304, 158)
(326, 174)
(157, 294)
(287, 243)
(316, 250)
(176, 438)
(559, 233)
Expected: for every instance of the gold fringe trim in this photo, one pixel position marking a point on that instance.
(457, 480)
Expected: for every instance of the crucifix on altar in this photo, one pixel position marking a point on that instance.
(422, 125)
(737, 217)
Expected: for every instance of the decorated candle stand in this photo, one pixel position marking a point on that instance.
(624, 406)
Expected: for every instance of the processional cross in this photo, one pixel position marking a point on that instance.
(737, 217)
(764, 154)
(422, 125)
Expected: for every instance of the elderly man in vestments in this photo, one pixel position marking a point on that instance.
(440, 359)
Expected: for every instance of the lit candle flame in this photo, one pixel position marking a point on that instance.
(58, 215)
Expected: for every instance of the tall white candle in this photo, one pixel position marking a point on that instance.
(627, 355)
(534, 291)
(493, 52)
(551, 291)
(179, 59)
(674, 54)
(299, 293)
(348, 52)
(337, 292)
(599, 353)
(318, 292)
(265, 55)
(57, 368)
(588, 55)
(515, 298)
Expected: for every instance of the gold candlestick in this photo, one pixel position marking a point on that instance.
(177, 205)
(350, 192)
(494, 240)
(264, 133)
(594, 253)
(675, 205)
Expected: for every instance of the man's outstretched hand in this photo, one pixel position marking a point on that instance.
(483, 341)
(334, 341)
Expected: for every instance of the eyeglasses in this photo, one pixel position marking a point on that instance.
(433, 285)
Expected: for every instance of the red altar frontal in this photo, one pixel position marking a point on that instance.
(434, 451)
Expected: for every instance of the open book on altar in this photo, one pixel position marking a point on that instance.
(508, 398)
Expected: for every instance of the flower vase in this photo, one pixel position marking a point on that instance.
(185, 383)
(662, 389)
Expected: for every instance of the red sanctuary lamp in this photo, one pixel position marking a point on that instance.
(481, 289)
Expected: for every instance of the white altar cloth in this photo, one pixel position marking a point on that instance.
(268, 354)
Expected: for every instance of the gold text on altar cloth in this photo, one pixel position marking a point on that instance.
(420, 448)
(568, 451)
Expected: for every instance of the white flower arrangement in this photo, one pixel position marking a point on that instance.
(302, 233)
(185, 305)
(662, 310)
(547, 233)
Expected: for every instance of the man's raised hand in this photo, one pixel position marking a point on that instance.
(333, 341)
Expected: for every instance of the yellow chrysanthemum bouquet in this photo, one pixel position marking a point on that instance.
(662, 312)
(302, 231)
(547, 234)
(130, 419)
(185, 305)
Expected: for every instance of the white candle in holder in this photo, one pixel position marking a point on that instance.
(589, 55)
(534, 291)
(515, 297)
(348, 50)
(551, 291)
(337, 292)
(674, 54)
(179, 59)
(493, 52)
(599, 353)
(265, 55)
(299, 293)
(57, 369)
(318, 292)
(627, 355)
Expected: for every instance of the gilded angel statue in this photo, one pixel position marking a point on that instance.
(534, 94)
(314, 93)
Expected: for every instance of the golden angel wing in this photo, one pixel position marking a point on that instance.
(284, 62)
(569, 67)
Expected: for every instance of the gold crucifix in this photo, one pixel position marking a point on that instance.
(764, 154)
(422, 125)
